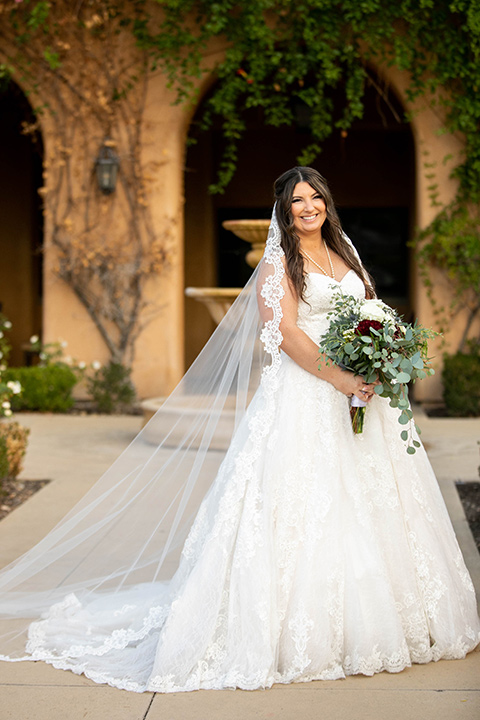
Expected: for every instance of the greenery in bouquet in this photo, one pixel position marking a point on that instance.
(369, 338)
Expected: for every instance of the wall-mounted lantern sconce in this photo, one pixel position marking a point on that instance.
(106, 166)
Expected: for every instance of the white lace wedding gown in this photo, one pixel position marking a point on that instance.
(316, 554)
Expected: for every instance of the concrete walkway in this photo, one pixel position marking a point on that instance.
(73, 451)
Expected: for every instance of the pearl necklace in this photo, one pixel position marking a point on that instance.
(319, 266)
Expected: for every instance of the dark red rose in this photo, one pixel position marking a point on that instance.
(363, 327)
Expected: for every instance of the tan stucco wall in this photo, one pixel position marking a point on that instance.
(158, 363)
(436, 153)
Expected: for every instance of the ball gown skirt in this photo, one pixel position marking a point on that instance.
(315, 554)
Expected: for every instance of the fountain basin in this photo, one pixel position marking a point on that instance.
(254, 232)
(174, 420)
(217, 300)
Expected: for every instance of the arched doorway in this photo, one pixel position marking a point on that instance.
(370, 170)
(21, 220)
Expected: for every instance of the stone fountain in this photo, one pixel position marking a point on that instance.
(217, 301)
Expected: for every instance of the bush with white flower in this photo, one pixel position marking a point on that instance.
(52, 354)
(13, 437)
(7, 389)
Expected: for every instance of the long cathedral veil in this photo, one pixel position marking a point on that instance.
(129, 529)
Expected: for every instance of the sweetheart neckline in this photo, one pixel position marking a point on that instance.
(332, 279)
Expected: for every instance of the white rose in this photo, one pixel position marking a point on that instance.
(67, 360)
(82, 365)
(96, 365)
(1, 334)
(7, 324)
(34, 339)
(14, 386)
(373, 310)
(63, 343)
(6, 404)
(7, 413)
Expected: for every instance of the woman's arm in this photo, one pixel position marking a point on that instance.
(297, 345)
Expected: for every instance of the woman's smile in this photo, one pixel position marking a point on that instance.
(309, 210)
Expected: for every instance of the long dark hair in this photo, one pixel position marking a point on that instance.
(332, 232)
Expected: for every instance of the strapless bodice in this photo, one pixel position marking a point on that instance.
(320, 299)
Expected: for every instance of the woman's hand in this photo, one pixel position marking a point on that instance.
(350, 384)
(304, 351)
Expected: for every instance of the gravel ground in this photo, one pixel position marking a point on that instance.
(14, 492)
(470, 496)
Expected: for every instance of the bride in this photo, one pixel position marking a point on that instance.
(247, 537)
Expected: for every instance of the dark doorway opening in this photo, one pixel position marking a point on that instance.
(370, 171)
(21, 220)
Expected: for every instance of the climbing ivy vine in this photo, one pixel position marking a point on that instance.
(277, 54)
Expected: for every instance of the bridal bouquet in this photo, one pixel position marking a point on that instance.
(369, 338)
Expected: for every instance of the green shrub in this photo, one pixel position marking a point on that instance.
(111, 388)
(13, 446)
(461, 384)
(4, 464)
(48, 389)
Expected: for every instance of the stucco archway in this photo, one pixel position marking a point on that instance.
(21, 220)
(371, 171)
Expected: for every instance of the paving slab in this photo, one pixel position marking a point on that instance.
(73, 451)
(436, 691)
(318, 702)
(72, 703)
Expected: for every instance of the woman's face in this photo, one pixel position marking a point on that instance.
(308, 210)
